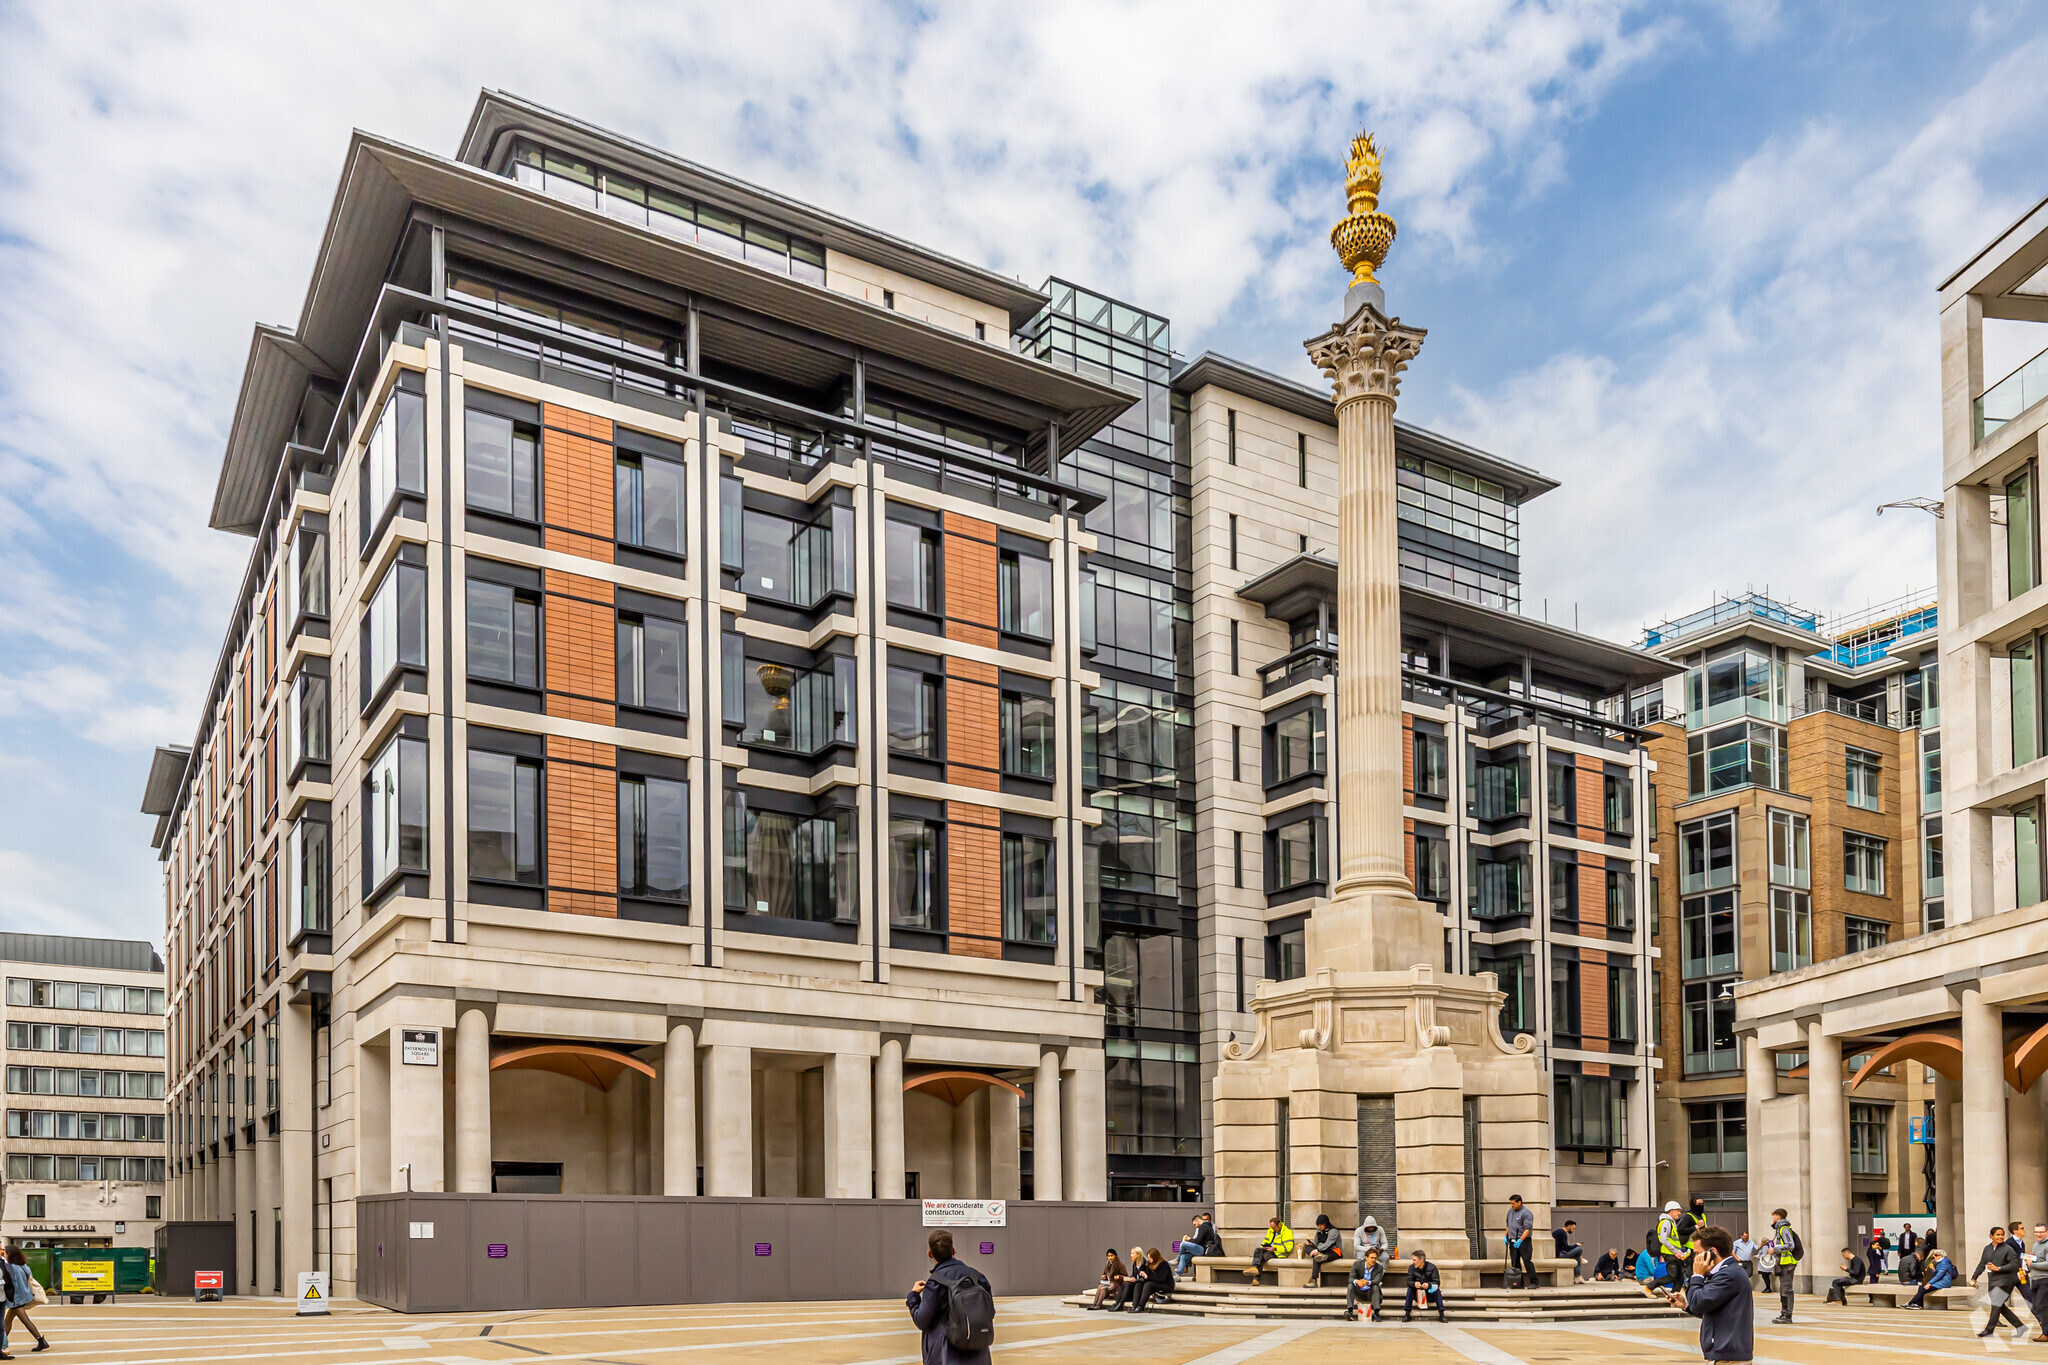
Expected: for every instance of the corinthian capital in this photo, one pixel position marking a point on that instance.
(1365, 356)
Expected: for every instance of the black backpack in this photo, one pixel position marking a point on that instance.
(1798, 1247)
(970, 1313)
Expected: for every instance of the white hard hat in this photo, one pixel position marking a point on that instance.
(1671, 1207)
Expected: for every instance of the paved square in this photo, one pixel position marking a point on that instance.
(143, 1331)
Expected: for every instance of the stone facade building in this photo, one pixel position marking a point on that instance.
(646, 751)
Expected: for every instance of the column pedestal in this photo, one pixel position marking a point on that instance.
(679, 1112)
(473, 1102)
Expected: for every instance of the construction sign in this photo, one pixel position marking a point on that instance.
(312, 1292)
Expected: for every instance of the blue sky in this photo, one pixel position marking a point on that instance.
(1680, 257)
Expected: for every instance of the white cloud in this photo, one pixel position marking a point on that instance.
(1785, 380)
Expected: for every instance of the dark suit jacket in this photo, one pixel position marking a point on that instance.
(1723, 1304)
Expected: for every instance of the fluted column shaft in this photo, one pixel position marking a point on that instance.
(1368, 650)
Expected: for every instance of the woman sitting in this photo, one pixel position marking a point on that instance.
(1112, 1281)
(1152, 1280)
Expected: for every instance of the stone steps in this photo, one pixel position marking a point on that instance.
(1583, 1303)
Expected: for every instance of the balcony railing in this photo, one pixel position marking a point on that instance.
(2011, 396)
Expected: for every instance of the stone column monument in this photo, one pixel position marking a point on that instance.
(1377, 1084)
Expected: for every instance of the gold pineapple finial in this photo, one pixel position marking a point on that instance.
(1364, 235)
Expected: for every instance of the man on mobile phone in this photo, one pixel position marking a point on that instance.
(1718, 1294)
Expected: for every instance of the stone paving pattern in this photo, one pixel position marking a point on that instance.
(142, 1331)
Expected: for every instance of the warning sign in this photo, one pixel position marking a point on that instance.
(86, 1277)
(312, 1292)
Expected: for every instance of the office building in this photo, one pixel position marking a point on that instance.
(646, 751)
(1965, 1003)
(85, 1091)
(1801, 793)
(1525, 790)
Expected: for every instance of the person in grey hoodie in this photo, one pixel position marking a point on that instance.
(1369, 1235)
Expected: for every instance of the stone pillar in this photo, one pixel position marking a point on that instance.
(1760, 1070)
(1373, 921)
(728, 1120)
(969, 1117)
(1828, 1126)
(1046, 1130)
(1948, 1185)
(473, 1102)
(416, 1137)
(1004, 1178)
(1085, 1123)
(889, 1120)
(1429, 1181)
(782, 1135)
(849, 1127)
(679, 1116)
(269, 1186)
(373, 1119)
(618, 1134)
(2026, 1161)
(244, 1188)
(295, 1137)
(1984, 1145)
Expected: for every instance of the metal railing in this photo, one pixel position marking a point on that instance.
(2011, 396)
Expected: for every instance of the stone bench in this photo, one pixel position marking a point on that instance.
(1288, 1272)
(1900, 1293)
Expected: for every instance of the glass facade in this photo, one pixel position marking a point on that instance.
(1458, 534)
(1137, 752)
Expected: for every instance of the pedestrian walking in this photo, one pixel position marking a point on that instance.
(1718, 1294)
(954, 1306)
(1880, 1248)
(1786, 1252)
(1671, 1244)
(20, 1293)
(2036, 1268)
(1999, 1267)
(1745, 1253)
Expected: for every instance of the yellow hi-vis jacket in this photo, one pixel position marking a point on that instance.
(1280, 1241)
(1667, 1236)
(1782, 1242)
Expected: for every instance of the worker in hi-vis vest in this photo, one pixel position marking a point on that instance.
(1785, 1250)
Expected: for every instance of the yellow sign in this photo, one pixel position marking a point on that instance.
(86, 1277)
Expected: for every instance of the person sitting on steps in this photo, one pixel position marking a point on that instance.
(1322, 1249)
(1424, 1284)
(1367, 1280)
(1277, 1244)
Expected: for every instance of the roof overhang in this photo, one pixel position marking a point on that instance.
(499, 115)
(383, 182)
(164, 786)
(1747, 627)
(1314, 404)
(1567, 653)
(1292, 590)
(2000, 273)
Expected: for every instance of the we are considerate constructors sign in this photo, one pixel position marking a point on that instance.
(966, 1213)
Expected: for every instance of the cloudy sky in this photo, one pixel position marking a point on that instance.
(1681, 257)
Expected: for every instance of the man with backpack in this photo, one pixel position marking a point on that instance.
(954, 1307)
(1785, 1251)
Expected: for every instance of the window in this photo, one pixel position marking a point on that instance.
(796, 562)
(2022, 534)
(1791, 861)
(1564, 887)
(1561, 792)
(306, 722)
(306, 881)
(1860, 934)
(1564, 997)
(914, 875)
(1514, 971)
(1432, 765)
(1791, 929)
(499, 465)
(650, 652)
(654, 842)
(2026, 702)
(504, 818)
(912, 557)
(647, 502)
(1432, 867)
(1287, 954)
(1237, 753)
(1237, 857)
(1233, 649)
(1741, 682)
(1707, 927)
(395, 636)
(2026, 855)
(1294, 855)
(1930, 771)
(1932, 883)
(1710, 1042)
(1496, 787)
(1719, 1136)
(1618, 804)
(1740, 755)
(1869, 1133)
(1621, 898)
(914, 713)
(1024, 594)
(780, 706)
(306, 583)
(1301, 458)
(1621, 1002)
(1706, 852)
(1863, 863)
(396, 460)
(889, 299)
(1499, 882)
(1591, 1113)
(1028, 890)
(395, 811)
(503, 637)
(1028, 736)
(1230, 426)
(35, 1206)
(1233, 540)
(1295, 746)
(1863, 767)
